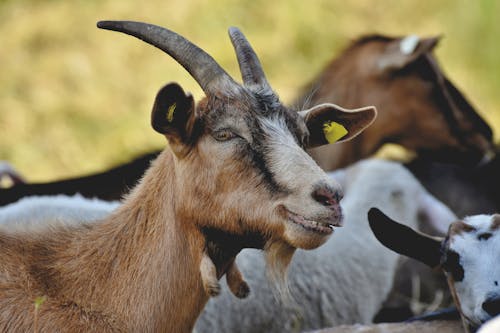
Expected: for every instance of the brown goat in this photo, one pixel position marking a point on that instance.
(235, 175)
(419, 108)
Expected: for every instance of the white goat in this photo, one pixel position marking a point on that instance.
(30, 212)
(344, 281)
(468, 256)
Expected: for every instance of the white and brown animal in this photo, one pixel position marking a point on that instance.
(235, 175)
(468, 256)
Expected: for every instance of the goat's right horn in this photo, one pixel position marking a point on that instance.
(204, 69)
(250, 67)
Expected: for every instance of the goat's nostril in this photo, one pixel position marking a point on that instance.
(326, 196)
(492, 306)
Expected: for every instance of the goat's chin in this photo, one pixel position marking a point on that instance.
(302, 238)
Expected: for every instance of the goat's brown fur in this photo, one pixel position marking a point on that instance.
(236, 283)
(124, 274)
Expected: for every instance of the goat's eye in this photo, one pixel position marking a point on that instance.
(224, 135)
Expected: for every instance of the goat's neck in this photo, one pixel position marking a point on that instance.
(143, 261)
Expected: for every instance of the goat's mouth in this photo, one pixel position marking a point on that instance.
(320, 227)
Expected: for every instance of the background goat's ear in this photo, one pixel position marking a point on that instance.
(402, 52)
(404, 240)
(171, 114)
(329, 123)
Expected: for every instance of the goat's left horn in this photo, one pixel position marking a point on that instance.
(250, 67)
(205, 70)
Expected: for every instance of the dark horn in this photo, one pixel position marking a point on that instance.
(250, 67)
(204, 69)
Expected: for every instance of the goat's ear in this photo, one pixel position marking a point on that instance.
(172, 114)
(404, 240)
(402, 52)
(329, 123)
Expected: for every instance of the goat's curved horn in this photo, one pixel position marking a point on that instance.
(250, 67)
(204, 69)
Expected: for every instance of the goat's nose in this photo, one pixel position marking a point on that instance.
(492, 306)
(327, 196)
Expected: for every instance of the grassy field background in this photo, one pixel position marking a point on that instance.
(75, 99)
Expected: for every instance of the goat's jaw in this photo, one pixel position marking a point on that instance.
(309, 233)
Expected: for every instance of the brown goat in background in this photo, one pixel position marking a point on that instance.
(235, 175)
(419, 108)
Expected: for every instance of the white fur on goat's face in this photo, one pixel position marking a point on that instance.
(292, 166)
(475, 270)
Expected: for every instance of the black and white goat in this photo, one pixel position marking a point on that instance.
(468, 256)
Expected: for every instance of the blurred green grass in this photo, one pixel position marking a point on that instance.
(75, 99)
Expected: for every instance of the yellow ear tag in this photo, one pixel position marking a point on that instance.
(333, 131)
(170, 112)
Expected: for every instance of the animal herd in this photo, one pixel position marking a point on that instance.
(287, 202)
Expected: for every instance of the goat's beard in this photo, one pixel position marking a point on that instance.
(278, 257)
